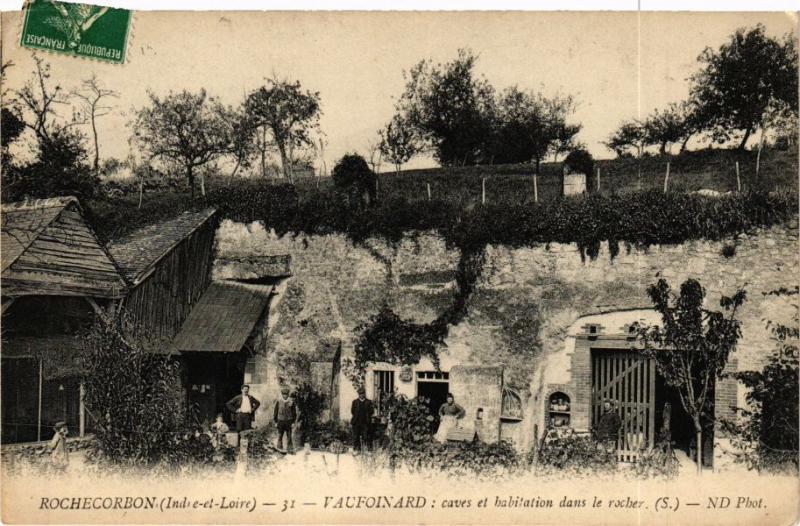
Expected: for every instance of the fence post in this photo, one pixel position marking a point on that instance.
(81, 409)
(535, 188)
(738, 180)
(483, 191)
(429, 190)
(666, 179)
(598, 179)
(39, 408)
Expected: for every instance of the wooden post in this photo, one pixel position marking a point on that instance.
(376, 187)
(81, 410)
(738, 180)
(598, 179)
(666, 179)
(39, 409)
(429, 190)
(483, 191)
(535, 188)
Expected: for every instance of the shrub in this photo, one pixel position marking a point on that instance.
(580, 161)
(467, 458)
(59, 169)
(410, 423)
(261, 450)
(656, 462)
(572, 453)
(132, 392)
(766, 434)
(330, 436)
(354, 180)
(310, 404)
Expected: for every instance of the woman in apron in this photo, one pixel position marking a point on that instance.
(449, 415)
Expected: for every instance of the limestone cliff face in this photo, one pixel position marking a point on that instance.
(527, 298)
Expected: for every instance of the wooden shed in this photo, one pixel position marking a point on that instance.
(168, 265)
(55, 275)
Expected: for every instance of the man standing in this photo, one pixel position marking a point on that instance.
(244, 406)
(361, 419)
(285, 417)
(607, 430)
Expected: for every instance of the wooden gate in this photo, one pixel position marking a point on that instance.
(629, 379)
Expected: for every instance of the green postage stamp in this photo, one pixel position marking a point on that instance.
(77, 29)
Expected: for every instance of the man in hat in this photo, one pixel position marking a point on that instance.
(244, 407)
(59, 454)
(361, 419)
(607, 430)
(285, 416)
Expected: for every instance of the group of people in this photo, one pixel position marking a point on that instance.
(244, 406)
(362, 411)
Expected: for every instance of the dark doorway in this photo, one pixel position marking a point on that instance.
(212, 380)
(681, 428)
(436, 395)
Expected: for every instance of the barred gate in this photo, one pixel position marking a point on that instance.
(629, 379)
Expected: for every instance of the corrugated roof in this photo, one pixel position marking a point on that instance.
(137, 252)
(48, 248)
(223, 319)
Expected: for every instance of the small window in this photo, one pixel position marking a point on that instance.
(384, 386)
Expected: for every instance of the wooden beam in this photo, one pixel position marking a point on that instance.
(7, 302)
(97, 308)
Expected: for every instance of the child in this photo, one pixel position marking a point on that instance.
(218, 430)
(59, 455)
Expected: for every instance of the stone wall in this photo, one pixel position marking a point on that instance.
(527, 298)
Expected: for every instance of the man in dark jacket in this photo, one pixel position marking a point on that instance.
(361, 419)
(244, 407)
(284, 416)
(607, 430)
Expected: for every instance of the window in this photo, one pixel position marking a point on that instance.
(433, 376)
(384, 386)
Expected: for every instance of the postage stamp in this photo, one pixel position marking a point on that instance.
(83, 30)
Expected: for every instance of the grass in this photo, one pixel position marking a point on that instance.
(506, 185)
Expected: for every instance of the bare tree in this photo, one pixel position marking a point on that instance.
(375, 155)
(91, 95)
(39, 99)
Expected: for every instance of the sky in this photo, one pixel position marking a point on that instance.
(618, 65)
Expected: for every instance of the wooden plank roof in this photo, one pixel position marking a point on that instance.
(138, 252)
(48, 248)
(223, 318)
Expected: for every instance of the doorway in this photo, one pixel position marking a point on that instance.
(433, 387)
(673, 423)
(212, 380)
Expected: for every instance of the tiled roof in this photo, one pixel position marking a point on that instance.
(48, 248)
(223, 318)
(137, 252)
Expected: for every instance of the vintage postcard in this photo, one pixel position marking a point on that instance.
(399, 267)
